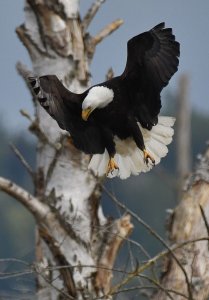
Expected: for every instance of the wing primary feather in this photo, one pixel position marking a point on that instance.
(158, 27)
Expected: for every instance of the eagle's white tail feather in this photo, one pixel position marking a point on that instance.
(158, 149)
(162, 139)
(162, 130)
(129, 157)
(124, 166)
(133, 165)
(102, 168)
(138, 159)
(94, 162)
(166, 121)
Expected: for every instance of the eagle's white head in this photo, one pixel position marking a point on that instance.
(98, 97)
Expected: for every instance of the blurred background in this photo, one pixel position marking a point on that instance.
(149, 195)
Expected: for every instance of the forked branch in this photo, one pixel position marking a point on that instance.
(91, 14)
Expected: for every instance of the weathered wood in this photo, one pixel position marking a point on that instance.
(54, 37)
(189, 222)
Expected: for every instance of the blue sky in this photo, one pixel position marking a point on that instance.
(189, 20)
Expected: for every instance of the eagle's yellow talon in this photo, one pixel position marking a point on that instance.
(112, 165)
(148, 156)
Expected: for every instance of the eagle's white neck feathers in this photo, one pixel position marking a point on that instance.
(98, 97)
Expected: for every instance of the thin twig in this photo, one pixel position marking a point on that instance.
(66, 296)
(39, 133)
(23, 161)
(129, 240)
(155, 234)
(26, 115)
(132, 275)
(156, 258)
(205, 220)
(14, 274)
(166, 291)
(36, 129)
(157, 285)
(166, 176)
(16, 260)
(91, 14)
(135, 288)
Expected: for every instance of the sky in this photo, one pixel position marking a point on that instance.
(189, 20)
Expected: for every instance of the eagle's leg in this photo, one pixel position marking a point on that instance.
(110, 146)
(139, 140)
(148, 156)
(112, 165)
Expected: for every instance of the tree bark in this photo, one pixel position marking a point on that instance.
(57, 42)
(190, 222)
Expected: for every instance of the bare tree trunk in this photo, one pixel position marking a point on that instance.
(75, 236)
(183, 133)
(190, 222)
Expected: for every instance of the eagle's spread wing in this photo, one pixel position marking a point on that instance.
(153, 54)
(52, 96)
(65, 107)
(152, 59)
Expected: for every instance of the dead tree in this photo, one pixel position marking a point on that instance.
(71, 227)
(190, 221)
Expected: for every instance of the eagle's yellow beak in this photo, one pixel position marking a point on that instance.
(86, 113)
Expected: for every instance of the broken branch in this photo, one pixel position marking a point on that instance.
(121, 229)
(23, 161)
(156, 235)
(38, 209)
(106, 31)
(91, 14)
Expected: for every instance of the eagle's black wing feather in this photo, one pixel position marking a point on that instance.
(154, 54)
(152, 59)
(65, 107)
(51, 94)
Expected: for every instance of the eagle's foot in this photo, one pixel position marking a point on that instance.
(148, 156)
(111, 166)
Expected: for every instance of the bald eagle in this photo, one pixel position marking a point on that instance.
(117, 121)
